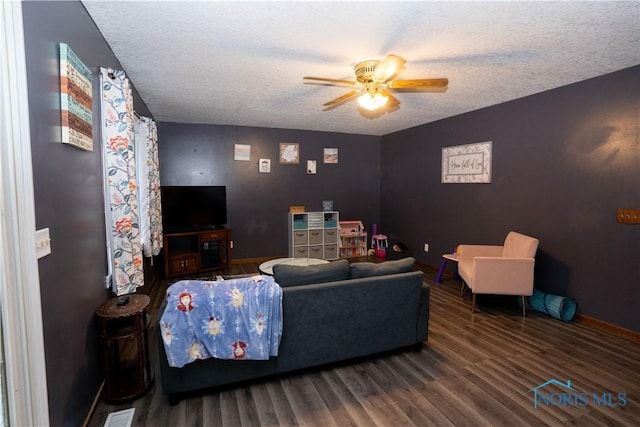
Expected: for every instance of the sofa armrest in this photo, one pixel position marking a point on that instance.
(505, 276)
(468, 252)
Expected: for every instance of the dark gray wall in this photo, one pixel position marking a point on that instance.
(257, 203)
(69, 201)
(563, 162)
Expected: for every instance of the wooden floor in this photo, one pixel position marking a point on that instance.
(475, 370)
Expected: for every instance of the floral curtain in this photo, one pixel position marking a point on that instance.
(123, 227)
(146, 141)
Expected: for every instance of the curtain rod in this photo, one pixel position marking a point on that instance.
(111, 74)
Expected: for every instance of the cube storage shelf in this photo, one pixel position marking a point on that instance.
(313, 235)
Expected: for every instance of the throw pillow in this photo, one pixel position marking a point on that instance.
(294, 275)
(368, 269)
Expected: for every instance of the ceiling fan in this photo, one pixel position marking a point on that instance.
(374, 83)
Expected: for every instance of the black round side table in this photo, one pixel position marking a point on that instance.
(123, 324)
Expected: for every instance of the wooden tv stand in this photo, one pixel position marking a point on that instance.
(197, 251)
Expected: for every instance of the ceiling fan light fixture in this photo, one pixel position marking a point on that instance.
(372, 101)
(374, 84)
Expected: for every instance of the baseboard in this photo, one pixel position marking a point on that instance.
(609, 327)
(430, 267)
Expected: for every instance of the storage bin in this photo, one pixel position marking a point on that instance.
(300, 238)
(330, 251)
(300, 225)
(315, 220)
(316, 252)
(315, 237)
(301, 252)
(331, 236)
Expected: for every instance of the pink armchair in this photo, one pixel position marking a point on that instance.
(502, 270)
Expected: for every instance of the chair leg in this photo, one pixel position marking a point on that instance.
(473, 303)
(462, 289)
(524, 308)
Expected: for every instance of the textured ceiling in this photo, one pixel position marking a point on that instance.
(241, 63)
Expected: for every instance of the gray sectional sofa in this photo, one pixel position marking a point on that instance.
(331, 313)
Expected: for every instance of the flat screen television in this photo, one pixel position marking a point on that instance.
(186, 208)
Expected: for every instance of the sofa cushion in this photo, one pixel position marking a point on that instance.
(368, 269)
(293, 275)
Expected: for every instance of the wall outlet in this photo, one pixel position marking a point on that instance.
(426, 247)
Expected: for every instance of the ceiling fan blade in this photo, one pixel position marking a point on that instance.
(388, 68)
(436, 85)
(324, 79)
(335, 103)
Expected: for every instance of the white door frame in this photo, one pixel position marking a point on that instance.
(20, 305)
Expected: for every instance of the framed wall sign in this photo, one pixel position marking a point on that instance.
(469, 163)
(75, 100)
(289, 153)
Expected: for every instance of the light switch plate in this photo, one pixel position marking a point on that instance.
(43, 243)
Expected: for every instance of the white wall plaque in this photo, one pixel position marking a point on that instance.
(264, 166)
(311, 167)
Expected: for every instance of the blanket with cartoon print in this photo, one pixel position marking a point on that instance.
(229, 319)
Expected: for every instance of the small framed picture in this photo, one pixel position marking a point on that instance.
(311, 167)
(289, 153)
(330, 155)
(242, 152)
(264, 166)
